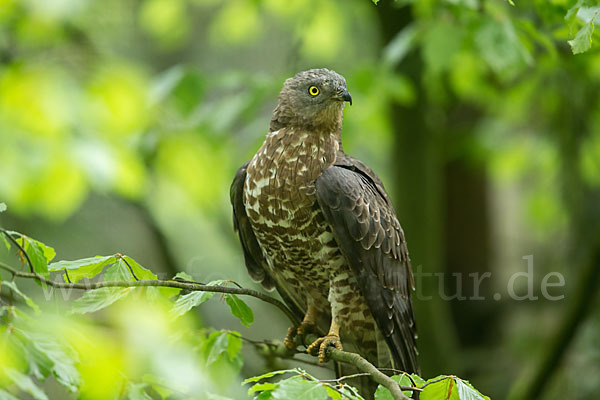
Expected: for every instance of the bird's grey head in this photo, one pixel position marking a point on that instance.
(313, 100)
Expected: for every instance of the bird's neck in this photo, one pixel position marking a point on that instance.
(301, 152)
(326, 122)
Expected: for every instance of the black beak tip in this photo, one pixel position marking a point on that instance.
(346, 97)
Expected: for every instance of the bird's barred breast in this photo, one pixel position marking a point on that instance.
(279, 196)
(297, 241)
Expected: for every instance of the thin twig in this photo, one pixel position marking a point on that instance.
(345, 377)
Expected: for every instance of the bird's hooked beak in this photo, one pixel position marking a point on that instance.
(342, 94)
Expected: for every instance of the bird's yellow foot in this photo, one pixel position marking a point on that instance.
(308, 325)
(319, 346)
(289, 338)
(304, 328)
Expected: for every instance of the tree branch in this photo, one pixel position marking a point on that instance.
(161, 283)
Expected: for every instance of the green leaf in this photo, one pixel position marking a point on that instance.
(400, 45)
(240, 309)
(83, 268)
(501, 47)
(2, 207)
(268, 375)
(466, 391)
(5, 240)
(383, 393)
(441, 43)
(298, 388)
(234, 346)
(375, 1)
(185, 276)
(335, 394)
(418, 380)
(164, 84)
(13, 286)
(220, 343)
(140, 272)
(222, 346)
(144, 274)
(212, 396)
(186, 302)
(118, 272)
(135, 391)
(261, 387)
(50, 356)
(159, 384)
(350, 393)
(24, 383)
(97, 299)
(445, 389)
(583, 39)
(49, 252)
(38, 363)
(37, 257)
(6, 396)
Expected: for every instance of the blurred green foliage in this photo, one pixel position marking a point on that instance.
(156, 103)
(137, 354)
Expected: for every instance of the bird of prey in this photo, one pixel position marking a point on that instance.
(318, 225)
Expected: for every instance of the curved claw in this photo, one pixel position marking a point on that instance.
(304, 329)
(288, 341)
(319, 346)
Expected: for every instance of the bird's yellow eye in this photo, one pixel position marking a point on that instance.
(313, 90)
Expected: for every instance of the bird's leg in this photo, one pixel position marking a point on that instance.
(308, 325)
(319, 346)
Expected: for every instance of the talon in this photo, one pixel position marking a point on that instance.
(306, 327)
(289, 338)
(319, 346)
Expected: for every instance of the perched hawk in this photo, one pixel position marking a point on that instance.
(318, 225)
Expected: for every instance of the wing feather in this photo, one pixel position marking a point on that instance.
(253, 255)
(367, 230)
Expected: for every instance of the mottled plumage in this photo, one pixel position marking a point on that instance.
(318, 225)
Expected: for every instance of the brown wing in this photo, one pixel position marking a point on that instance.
(253, 255)
(368, 232)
